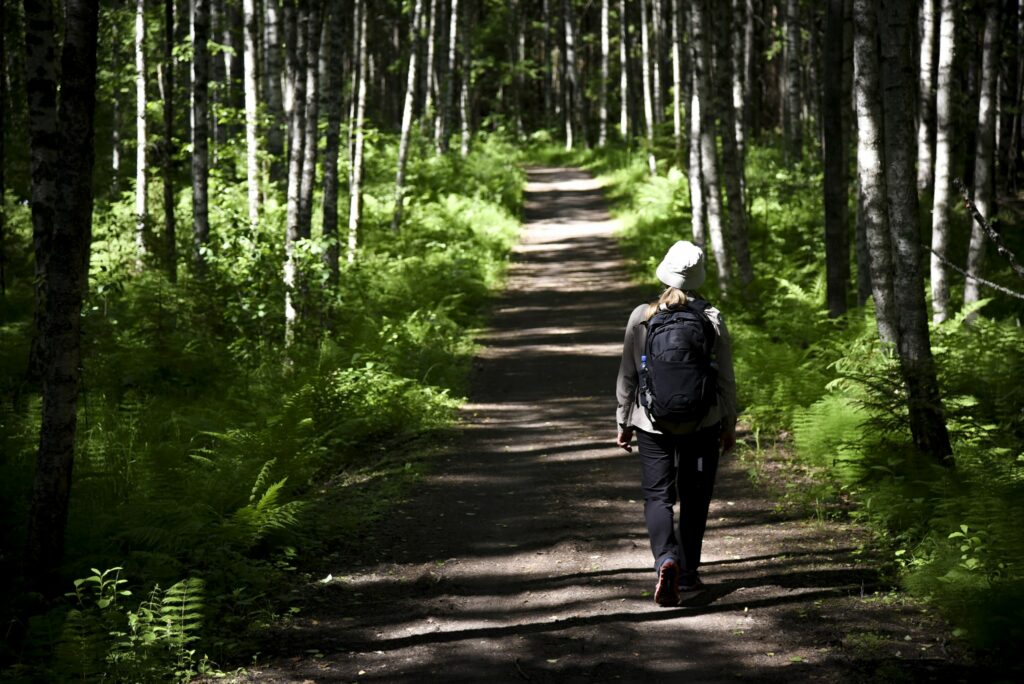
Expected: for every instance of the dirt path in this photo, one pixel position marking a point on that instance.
(524, 557)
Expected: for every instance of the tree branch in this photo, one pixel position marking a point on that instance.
(981, 281)
(972, 209)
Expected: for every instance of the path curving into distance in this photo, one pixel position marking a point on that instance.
(523, 557)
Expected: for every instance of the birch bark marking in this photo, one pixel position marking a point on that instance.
(467, 80)
(410, 93)
(623, 75)
(926, 106)
(659, 107)
(69, 222)
(141, 139)
(984, 160)
(677, 83)
(835, 187)
(602, 130)
(355, 189)
(430, 78)
(927, 422)
(170, 227)
(252, 171)
(708, 151)
(943, 159)
(449, 79)
(573, 115)
(694, 174)
(652, 164)
(200, 130)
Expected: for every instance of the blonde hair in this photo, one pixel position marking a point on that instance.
(672, 298)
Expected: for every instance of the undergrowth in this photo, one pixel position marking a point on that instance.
(830, 394)
(205, 447)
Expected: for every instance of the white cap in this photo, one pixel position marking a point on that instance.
(683, 266)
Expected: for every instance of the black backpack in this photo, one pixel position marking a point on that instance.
(678, 376)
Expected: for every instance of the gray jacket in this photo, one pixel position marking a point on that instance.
(631, 413)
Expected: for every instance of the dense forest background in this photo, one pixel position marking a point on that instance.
(244, 246)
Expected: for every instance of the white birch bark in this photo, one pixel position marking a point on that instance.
(356, 176)
(984, 160)
(926, 111)
(943, 158)
(656, 39)
(430, 76)
(677, 80)
(449, 78)
(602, 131)
(407, 111)
(623, 74)
(252, 171)
(694, 173)
(465, 114)
(645, 51)
(141, 139)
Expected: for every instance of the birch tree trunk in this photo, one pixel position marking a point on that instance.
(441, 76)
(273, 78)
(549, 70)
(836, 187)
(428, 70)
(170, 227)
(926, 106)
(465, 113)
(573, 115)
(334, 52)
(297, 23)
(740, 58)
(252, 171)
(677, 81)
(200, 130)
(407, 111)
(984, 160)
(141, 140)
(791, 123)
(927, 421)
(602, 107)
(731, 161)
(943, 159)
(655, 54)
(449, 79)
(694, 173)
(1010, 96)
(623, 74)
(311, 117)
(652, 164)
(708, 151)
(356, 163)
(63, 161)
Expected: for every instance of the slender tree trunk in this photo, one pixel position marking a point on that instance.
(334, 54)
(652, 164)
(677, 81)
(170, 227)
(311, 117)
(1009, 94)
(297, 22)
(141, 141)
(731, 161)
(623, 74)
(116, 65)
(791, 110)
(465, 113)
(871, 164)
(252, 170)
(356, 162)
(200, 131)
(519, 65)
(69, 223)
(573, 98)
(407, 112)
(441, 76)
(549, 71)
(656, 91)
(449, 79)
(984, 160)
(739, 75)
(836, 186)
(927, 422)
(695, 175)
(926, 106)
(708, 151)
(429, 77)
(272, 83)
(3, 153)
(748, 68)
(602, 130)
(943, 160)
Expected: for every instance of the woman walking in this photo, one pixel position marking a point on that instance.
(677, 393)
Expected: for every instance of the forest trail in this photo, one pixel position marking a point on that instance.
(523, 556)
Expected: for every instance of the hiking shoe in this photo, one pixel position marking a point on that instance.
(666, 593)
(690, 583)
